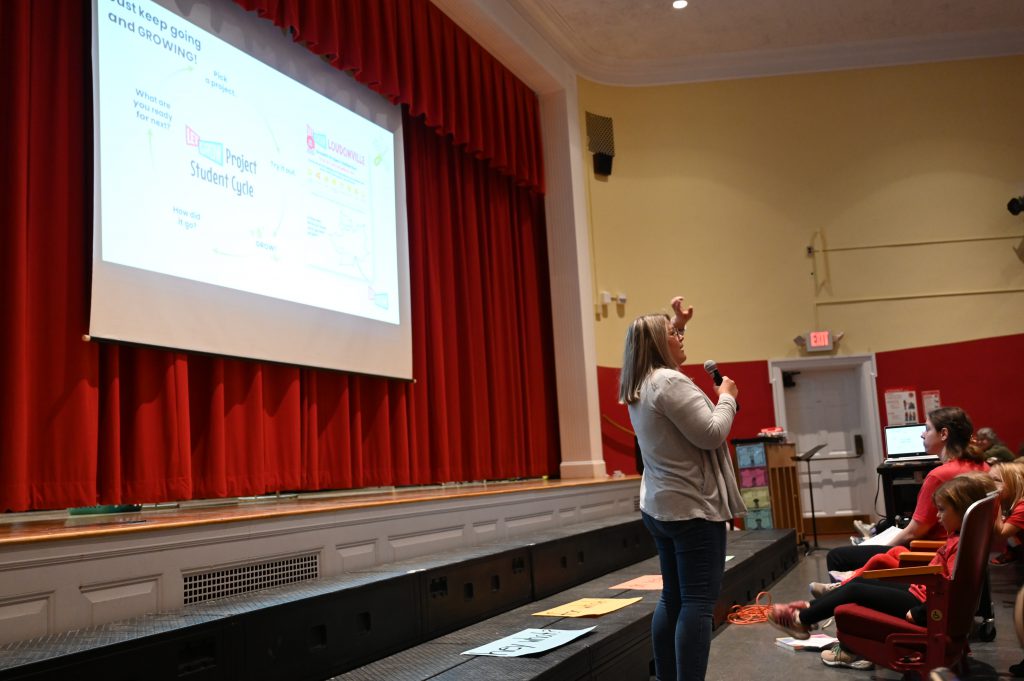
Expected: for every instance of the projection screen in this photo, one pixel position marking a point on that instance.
(249, 198)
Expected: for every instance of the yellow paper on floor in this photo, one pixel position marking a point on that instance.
(645, 583)
(589, 607)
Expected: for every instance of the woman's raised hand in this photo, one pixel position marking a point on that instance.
(683, 314)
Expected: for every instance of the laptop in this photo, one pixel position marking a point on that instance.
(904, 443)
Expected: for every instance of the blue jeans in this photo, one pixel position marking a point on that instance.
(692, 554)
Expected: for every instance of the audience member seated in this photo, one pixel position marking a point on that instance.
(1018, 625)
(990, 447)
(1009, 479)
(951, 501)
(947, 433)
(1009, 482)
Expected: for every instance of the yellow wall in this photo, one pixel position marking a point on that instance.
(718, 189)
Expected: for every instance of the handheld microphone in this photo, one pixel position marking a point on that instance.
(711, 367)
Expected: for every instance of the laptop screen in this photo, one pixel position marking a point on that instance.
(904, 440)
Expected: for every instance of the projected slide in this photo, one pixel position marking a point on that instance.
(218, 169)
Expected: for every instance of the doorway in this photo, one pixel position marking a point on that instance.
(832, 401)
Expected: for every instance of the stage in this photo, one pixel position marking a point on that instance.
(412, 616)
(63, 572)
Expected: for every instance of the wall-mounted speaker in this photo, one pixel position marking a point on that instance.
(601, 142)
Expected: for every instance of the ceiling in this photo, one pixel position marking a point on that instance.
(640, 42)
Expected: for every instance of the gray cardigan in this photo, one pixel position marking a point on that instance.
(687, 469)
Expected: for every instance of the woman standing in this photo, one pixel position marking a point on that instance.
(689, 489)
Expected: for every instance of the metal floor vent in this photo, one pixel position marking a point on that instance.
(205, 586)
(636, 503)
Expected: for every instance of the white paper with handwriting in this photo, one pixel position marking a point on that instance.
(529, 642)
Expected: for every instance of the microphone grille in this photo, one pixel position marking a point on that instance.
(710, 366)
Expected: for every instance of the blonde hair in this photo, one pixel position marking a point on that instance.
(959, 493)
(646, 350)
(1012, 475)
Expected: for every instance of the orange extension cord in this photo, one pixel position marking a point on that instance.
(751, 614)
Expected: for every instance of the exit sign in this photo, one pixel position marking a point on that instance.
(819, 341)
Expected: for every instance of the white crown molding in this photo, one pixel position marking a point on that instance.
(815, 59)
(566, 39)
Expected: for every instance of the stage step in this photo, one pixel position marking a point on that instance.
(315, 629)
(619, 648)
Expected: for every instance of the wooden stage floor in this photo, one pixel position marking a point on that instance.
(23, 528)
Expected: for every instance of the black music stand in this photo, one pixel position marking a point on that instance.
(806, 458)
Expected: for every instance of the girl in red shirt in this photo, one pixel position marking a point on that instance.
(1009, 479)
(899, 600)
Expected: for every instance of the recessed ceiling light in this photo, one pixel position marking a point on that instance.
(679, 4)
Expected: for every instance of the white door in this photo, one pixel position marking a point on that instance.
(832, 401)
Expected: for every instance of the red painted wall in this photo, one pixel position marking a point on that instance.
(755, 399)
(985, 377)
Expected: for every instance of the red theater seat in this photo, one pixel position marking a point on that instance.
(899, 645)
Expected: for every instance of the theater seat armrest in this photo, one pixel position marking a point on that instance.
(904, 574)
(916, 557)
(926, 545)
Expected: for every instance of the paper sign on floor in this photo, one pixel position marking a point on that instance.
(815, 642)
(645, 583)
(648, 582)
(589, 607)
(529, 642)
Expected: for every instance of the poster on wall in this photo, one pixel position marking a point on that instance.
(900, 406)
(930, 401)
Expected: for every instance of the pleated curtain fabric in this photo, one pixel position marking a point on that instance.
(86, 423)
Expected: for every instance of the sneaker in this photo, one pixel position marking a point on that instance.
(819, 589)
(856, 540)
(840, 576)
(837, 657)
(946, 674)
(785, 617)
(866, 529)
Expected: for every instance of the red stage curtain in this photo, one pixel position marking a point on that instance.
(86, 423)
(412, 53)
(48, 375)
